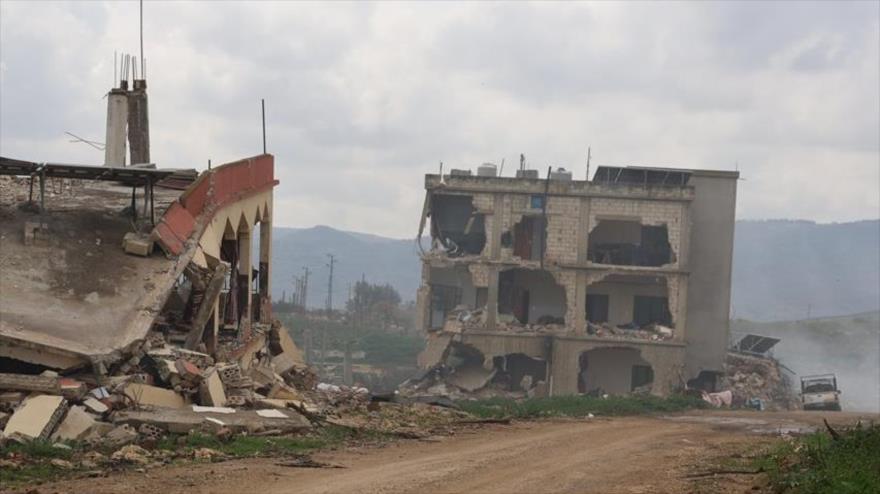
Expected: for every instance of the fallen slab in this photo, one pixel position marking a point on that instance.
(184, 420)
(144, 394)
(36, 418)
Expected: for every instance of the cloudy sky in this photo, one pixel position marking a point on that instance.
(363, 99)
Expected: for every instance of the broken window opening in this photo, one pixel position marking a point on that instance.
(632, 306)
(443, 300)
(613, 371)
(529, 296)
(651, 310)
(468, 370)
(597, 308)
(453, 293)
(707, 381)
(456, 226)
(518, 372)
(528, 238)
(629, 243)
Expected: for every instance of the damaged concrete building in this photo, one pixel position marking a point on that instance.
(558, 286)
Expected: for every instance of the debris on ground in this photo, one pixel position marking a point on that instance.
(759, 382)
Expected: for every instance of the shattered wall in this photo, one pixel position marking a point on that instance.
(665, 358)
(672, 214)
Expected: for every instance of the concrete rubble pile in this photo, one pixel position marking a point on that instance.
(757, 382)
(462, 319)
(654, 331)
(456, 371)
(160, 389)
(261, 388)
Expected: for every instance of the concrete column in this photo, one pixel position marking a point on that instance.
(138, 123)
(265, 309)
(492, 298)
(423, 300)
(583, 230)
(117, 119)
(580, 302)
(245, 276)
(495, 234)
(681, 309)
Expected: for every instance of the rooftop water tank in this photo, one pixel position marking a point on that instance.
(560, 174)
(487, 170)
(527, 174)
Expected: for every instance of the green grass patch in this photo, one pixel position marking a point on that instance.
(579, 406)
(245, 446)
(35, 449)
(31, 474)
(36, 467)
(816, 463)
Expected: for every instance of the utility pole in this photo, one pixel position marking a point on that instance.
(305, 289)
(330, 285)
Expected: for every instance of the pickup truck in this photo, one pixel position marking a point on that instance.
(819, 392)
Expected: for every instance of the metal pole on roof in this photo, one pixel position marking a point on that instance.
(263, 105)
(142, 38)
(589, 153)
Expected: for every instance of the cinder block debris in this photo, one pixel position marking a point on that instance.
(138, 244)
(211, 391)
(76, 425)
(37, 417)
(144, 394)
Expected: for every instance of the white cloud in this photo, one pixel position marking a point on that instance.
(363, 99)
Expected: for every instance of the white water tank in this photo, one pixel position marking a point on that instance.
(487, 170)
(560, 174)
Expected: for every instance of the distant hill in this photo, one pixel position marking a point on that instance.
(786, 270)
(378, 259)
(781, 270)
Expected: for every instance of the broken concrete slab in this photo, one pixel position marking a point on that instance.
(272, 413)
(183, 420)
(471, 377)
(144, 394)
(282, 343)
(137, 243)
(95, 405)
(76, 425)
(47, 384)
(201, 409)
(435, 351)
(283, 363)
(37, 417)
(211, 390)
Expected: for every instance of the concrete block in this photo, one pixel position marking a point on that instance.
(287, 346)
(145, 394)
(137, 244)
(283, 363)
(76, 425)
(95, 405)
(211, 391)
(37, 417)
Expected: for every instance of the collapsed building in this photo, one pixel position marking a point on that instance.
(557, 286)
(138, 296)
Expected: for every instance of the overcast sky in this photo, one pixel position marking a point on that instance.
(363, 99)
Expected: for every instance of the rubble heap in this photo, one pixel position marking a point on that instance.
(457, 371)
(463, 319)
(757, 381)
(159, 388)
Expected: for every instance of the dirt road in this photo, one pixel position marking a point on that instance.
(624, 455)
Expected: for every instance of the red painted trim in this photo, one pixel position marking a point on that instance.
(212, 190)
